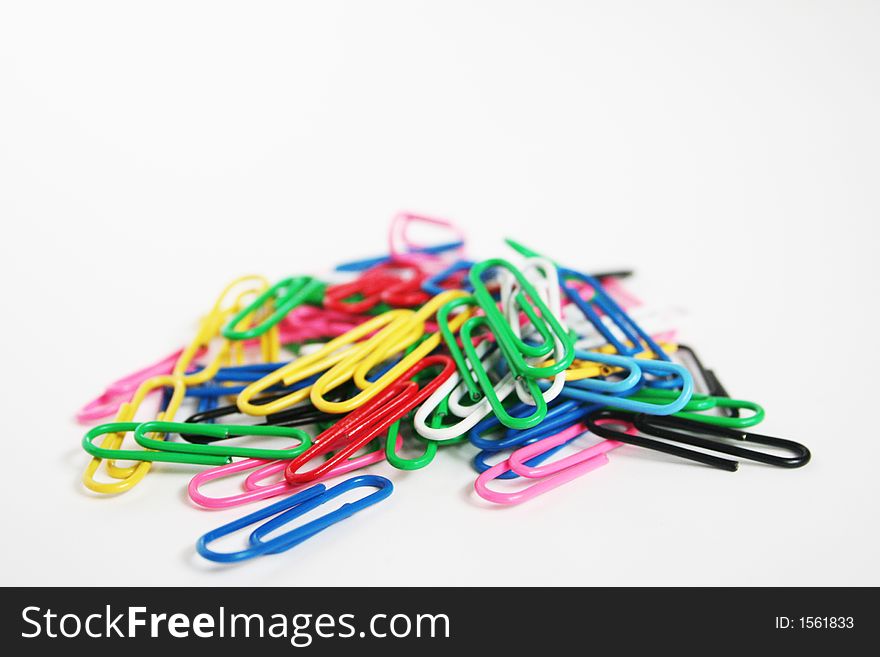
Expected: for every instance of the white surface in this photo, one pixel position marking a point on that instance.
(729, 152)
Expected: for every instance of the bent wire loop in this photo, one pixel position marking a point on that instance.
(452, 389)
(561, 417)
(261, 469)
(289, 509)
(285, 295)
(361, 426)
(122, 389)
(481, 485)
(178, 380)
(454, 277)
(394, 458)
(542, 320)
(351, 356)
(636, 339)
(698, 434)
(219, 432)
(522, 460)
(406, 335)
(698, 403)
(595, 391)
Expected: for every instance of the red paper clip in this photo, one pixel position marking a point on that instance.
(369, 421)
(395, 284)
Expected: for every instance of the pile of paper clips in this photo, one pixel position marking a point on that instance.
(417, 351)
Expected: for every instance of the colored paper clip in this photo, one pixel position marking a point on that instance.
(141, 455)
(285, 295)
(178, 380)
(392, 454)
(365, 292)
(603, 392)
(397, 337)
(560, 416)
(284, 511)
(219, 432)
(521, 462)
(454, 388)
(361, 426)
(699, 403)
(481, 485)
(353, 343)
(453, 277)
(402, 248)
(698, 434)
(545, 323)
(122, 389)
(292, 417)
(534, 356)
(542, 274)
(366, 263)
(635, 338)
(260, 470)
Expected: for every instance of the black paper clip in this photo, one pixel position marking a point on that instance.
(697, 434)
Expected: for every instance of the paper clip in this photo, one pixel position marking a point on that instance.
(348, 345)
(365, 292)
(122, 389)
(481, 485)
(286, 510)
(285, 295)
(395, 338)
(545, 323)
(219, 432)
(698, 403)
(596, 391)
(519, 461)
(453, 277)
(698, 434)
(261, 470)
(366, 423)
(409, 251)
(178, 381)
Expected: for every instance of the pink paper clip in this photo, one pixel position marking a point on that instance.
(553, 475)
(517, 461)
(121, 390)
(255, 491)
(399, 242)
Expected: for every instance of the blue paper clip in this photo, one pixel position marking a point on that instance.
(432, 286)
(289, 509)
(561, 414)
(559, 422)
(366, 263)
(586, 390)
(603, 301)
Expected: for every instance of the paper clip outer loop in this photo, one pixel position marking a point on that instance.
(287, 510)
(515, 349)
(365, 424)
(481, 485)
(287, 294)
(323, 360)
(397, 338)
(580, 390)
(221, 431)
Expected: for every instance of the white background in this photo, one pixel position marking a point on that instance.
(728, 151)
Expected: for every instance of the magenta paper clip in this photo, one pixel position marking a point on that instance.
(517, 460)
(481, 485)
(403, 249)
(121, 390)
(255, 491)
